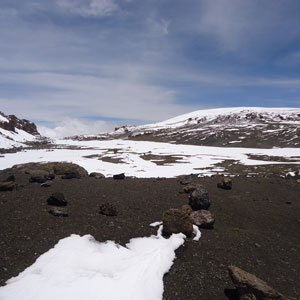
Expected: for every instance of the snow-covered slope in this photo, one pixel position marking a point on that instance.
(16, 133)
(239, 126)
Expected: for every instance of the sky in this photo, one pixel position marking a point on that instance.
(91, 65)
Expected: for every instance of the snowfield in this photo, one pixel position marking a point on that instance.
(147, 159)
(80, 268)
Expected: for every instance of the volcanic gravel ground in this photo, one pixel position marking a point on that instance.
(256, 229)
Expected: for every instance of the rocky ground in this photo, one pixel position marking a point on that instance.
(257, 227)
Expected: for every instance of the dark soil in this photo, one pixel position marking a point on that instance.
(256, 229)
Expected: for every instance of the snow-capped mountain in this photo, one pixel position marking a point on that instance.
(15, 133)
(235, 127)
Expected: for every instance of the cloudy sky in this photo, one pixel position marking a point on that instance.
(93, 64)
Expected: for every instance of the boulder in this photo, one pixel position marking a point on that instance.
(249, 287)
(119, 176)
(7, 186)
(57, 199)
(199, 199)
(203, 219)
(225, 184)
(108, 209)
(96, 175)
(58, 212)
(38, 179)
(176, 221)
(57, 168)
(10, 178)
(186, 208)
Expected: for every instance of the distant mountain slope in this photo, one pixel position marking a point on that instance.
(239, 127)
(16, 133)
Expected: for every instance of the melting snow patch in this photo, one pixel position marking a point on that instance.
(81, 268)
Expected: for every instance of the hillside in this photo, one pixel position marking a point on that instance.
(224, 127)
(16, 133)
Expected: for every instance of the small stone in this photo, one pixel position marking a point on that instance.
(225, 184)
(186, 181)
(108, 209)
(7, 186)
(96, 175)
(191, 187)
(176, 221)
(45, 184)
(203, 219)
(199, 199)
(57, 199)
(119, 176)
(257, 245)
(50, 176)
(288, 202)
(58, 212)
(250, 287)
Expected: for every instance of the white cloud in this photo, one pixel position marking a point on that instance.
(71, 127)
(89, 8)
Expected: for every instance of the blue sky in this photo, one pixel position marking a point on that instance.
(133, 61)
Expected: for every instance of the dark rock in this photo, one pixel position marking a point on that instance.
(57, 199)
(108, 209)
(203, 219)
(37, 179)
(199, 199)
(58, 212)
(10, 178)
(71, 175)
(176, 221)
(186, 181)
(36, 173)
(97, 175)
(249, 287)
(50, 176)
(186, 208)
(288, 202)
(119, 176)
(7, 186)
(46, 184)
(225, 184)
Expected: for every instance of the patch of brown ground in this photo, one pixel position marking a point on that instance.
(255, 228)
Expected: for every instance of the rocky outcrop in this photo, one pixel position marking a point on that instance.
(176, 221)
(249, 287)
(119, 176)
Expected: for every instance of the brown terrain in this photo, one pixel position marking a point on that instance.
(257, 227)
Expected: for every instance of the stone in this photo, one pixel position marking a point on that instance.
(59, 212)
(71, 175)
(199, 199)
(50, 176)
(191, 187)
(186, 208)
(108, 209)
(45, 184)
(57, 199)
(96, 175)
(119, 176)
(10, 178)
(7, 186)
(176, 221)
(186, 181)
(37, 179)
(225, 184)
(250, 287)
(203, 219)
